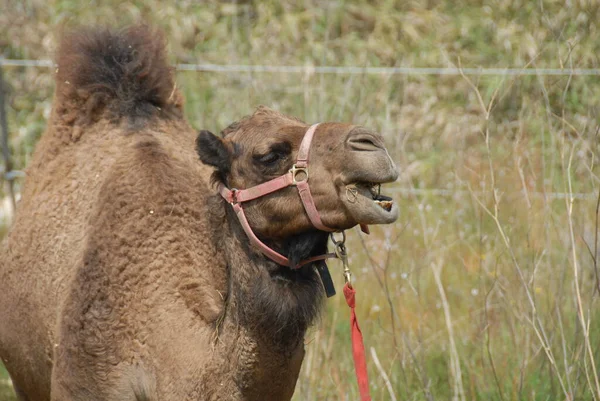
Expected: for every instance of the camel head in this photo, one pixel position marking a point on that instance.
(348, 163)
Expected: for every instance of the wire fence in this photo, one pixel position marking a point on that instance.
(449, 193)
(9, 175)
(348, 70)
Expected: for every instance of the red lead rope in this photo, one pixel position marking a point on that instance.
(358, 347)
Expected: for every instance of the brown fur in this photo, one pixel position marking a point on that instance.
(124, 276)
(125, 73)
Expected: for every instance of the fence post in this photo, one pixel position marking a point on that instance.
(8, 167)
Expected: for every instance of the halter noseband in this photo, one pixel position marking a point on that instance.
(238, 196)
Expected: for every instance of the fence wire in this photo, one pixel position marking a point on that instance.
(449, 193)
(348, 70)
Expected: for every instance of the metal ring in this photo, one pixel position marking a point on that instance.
(295, 170)
(342, 241)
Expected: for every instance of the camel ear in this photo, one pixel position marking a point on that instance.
(212, 151)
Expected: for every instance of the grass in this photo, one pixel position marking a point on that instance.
(485, 292)
(6, 391)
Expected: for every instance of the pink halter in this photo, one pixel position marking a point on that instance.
(238, 196)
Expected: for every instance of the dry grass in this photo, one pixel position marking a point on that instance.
(487, 293)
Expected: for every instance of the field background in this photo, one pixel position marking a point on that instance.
(487, 286)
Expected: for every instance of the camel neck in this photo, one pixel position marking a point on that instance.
(273, 302)
(267, 313)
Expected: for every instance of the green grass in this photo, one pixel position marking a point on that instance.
(6, 390)
(434, 127)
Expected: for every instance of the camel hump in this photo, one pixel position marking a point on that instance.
(114, 74)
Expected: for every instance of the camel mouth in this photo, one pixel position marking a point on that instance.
(372, 190)
(368, 205)
(383, 201)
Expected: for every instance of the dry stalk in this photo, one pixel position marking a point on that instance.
(518, 161)
(384, 376)
(594, 257)
(487, 336)
(564, 348)
(459, 392)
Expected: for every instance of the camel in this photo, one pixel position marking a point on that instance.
(128, 276)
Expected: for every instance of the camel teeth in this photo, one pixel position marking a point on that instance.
(386, 205)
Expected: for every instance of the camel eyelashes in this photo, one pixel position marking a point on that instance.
(269, 158)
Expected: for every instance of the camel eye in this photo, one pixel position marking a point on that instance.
(269, 158)
(277, 152)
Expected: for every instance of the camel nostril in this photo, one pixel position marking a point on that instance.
(364, 143)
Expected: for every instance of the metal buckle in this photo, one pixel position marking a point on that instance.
(296, 170)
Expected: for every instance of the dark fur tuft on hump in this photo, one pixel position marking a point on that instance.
(115, 74)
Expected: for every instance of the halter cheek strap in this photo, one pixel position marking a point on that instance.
(303, 188)
(297, 176)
